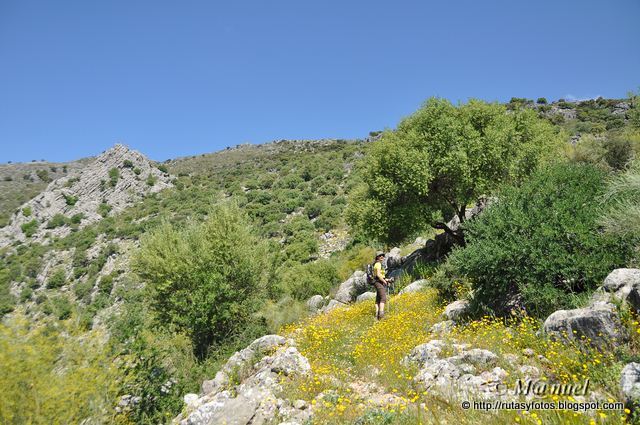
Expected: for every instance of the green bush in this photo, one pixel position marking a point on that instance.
(104, 209)
(30, 228)
(106, 284)
(204, 279)
(114, 175)
(541, 242)
(57, 220)
(622, 217)
(305, 280)
(70, 199)
(82, 290)
(26, 211)
(57, 279)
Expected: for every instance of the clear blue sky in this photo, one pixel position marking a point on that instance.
(175, 78)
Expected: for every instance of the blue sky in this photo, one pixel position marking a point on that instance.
(173, 78)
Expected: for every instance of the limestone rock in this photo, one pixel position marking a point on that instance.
(457, 310)
(315, 303)
(255, 398)
(630, 383)
(442, 328)
(414, 286)
(598, 323)
(367, 296)
(624, 284)
(352, 287)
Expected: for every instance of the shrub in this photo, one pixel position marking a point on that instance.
(70, 199)
(114, 175)
(77, 218)
(622, 216)
(30, 228)
(57, 279)
(315, 207)
(106, 284)
(541, 101)
(57, 220)
(49, 374)
(127, 163)
(204, 279)
(151, 180)
(541, 242)
(104, 209)
(60, 307)
(82, 290)
(26, 211)
(305, 280)
(43, 175)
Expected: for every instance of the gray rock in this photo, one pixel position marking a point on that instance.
(630, 383)
(254, 399)
(624, 284)
(598, 323)
(476, 356)
(367, 296)
(414, 286)
(393, 259)
(241, 360)
(315, 303)
(426, 352)
(331, 305)
(352, 287)
(442, 328)
(457, 310)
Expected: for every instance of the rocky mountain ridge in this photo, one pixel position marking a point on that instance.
(114, 180)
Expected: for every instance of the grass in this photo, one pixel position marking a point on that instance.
(348, 350)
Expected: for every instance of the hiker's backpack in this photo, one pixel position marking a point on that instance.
(370, 277)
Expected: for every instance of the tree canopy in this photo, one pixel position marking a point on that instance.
(440, 160)
(204, 279)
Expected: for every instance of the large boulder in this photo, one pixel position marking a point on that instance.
(315, 303)
(242, 360)
(352, 287)
(598, 324)
(414, 286)
(624, 284)
(457, 310)
(630, 384)
(252, 397)
(367, 296)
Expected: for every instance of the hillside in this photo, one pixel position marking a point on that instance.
(179, 266)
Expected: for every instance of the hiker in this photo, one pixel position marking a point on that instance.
(380, 283)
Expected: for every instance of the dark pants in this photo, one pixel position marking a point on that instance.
(381, 292)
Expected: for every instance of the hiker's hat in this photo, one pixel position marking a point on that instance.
(379, 254)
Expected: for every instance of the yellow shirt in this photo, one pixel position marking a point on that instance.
(378, 267)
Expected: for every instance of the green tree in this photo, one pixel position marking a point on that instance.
(440, 160)
(205, 279)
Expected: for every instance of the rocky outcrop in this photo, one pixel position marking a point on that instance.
(624, 284)
(315, 303)
(469, 370)
(349, 290)
(247, 388)
(457, 310)
(113, 181)
(598, 324)
(414, 286)
(367, 296)
(630, 384)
